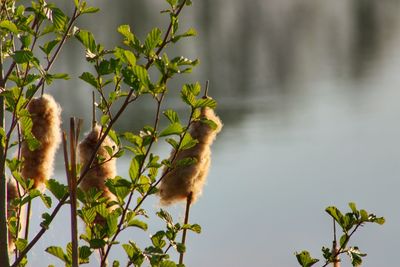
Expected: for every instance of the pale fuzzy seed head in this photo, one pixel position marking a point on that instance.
(181, 181)
(12, 193)
(46, 119)
(97, 176)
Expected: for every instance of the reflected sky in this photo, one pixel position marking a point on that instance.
(309, 94)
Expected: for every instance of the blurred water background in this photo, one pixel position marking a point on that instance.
(309, 95)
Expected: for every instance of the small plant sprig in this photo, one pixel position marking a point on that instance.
(349, 223)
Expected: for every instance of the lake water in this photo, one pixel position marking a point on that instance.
(309, 95)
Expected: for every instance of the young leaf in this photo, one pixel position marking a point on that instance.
(57, 189)
(9, 25)
(87, 39)
(152, 39)
(172, 116)
(22, 56)
(173, 128)
(60, 20)
(305, 259)
(59, 253)
(90, 79)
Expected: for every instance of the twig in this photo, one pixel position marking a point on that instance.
(72, 193)
(188, 202)
(206, 90)
(93, 111)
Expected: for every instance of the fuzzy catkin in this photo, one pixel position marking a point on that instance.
(96, 177)
(46, 120)
(181, 181)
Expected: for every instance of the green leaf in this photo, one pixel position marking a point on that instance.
(364, 215)
(172, 3)
(88, 215)
(194, 88)
(97, 243)
(173, 128)
(90, 10)
(134, 139)
(168, 264)
(172, 116)
(336, 214)
(189, 33)
(163, 214)
(60, 20)
(130, 57)
(185, 162)
(210, 123)
(172, 142)
(158, 239)
(46, 200)
(142, 75)
(138, 224)
(188, 142)
(125, 30)
(90, 79)
(112, 224)
(379, 220)
(193, 227)
(305, 260)
(206, 102)
(134, 169)
(21, 244)
(9, 25)
(353, 207)
(57, 189)
(59, 253)
(63, 76)
(84, 254)
(87, 39)
(22, 56)
(152, 39)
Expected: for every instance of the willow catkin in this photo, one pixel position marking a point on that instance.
(46, 122)
(97, 175)
(12, 193)
(178, 183)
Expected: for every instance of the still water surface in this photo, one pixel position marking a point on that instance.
(309, 94)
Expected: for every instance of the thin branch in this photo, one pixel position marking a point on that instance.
(188, 202)
(93, 111)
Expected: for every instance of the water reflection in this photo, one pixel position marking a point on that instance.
(308, 94)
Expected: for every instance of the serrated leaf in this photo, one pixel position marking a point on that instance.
(57, 189)
(87, 39)
(84, 254)
(172, 116)
(46, 200)
(305, 260)
(153, 39)
(90, 79)
(59, 19)
(59, 253)
(22, 56)
(142, 75)
(206, 102)
(187, 142)
(173, 128)
(21, 244)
